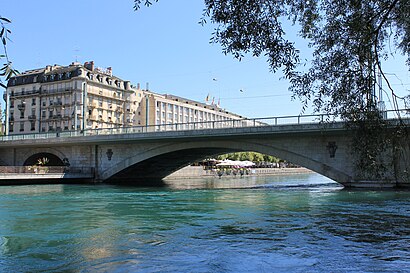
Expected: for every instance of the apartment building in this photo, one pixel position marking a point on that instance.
(82, 96)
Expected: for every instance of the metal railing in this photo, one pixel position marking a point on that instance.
(201, 125)
(45, 170)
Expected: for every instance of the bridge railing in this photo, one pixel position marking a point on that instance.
(229, 123)
(44, 170)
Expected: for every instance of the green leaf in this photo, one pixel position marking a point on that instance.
(5, 19)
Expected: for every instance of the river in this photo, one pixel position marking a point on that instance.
(296, 223)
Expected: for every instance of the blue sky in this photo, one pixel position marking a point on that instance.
(163, 45)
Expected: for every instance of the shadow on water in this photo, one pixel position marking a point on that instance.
(138, 183)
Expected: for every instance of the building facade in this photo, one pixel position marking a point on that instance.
(82, 96)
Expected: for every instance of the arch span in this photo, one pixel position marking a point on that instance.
(53, 160)
(157, 163)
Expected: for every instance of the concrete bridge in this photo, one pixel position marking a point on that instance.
(144, 154)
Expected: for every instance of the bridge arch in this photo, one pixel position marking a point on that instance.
(54, 156)
(164, 159)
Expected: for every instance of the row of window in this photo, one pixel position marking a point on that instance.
(51, 127)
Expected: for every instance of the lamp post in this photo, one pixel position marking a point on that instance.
(7, 123)
(84, 93)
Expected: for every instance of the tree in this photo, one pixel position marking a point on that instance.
(349, 38)
(6, 71)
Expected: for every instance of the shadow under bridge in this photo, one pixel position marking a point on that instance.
(152, 170)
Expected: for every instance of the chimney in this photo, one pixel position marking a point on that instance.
(89, 65)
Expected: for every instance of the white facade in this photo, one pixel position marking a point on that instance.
(81, 97)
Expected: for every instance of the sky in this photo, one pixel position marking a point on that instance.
(163, 45)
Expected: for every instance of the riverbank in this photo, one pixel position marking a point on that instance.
(198, 172)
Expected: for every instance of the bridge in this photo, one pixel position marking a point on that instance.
(143, 154)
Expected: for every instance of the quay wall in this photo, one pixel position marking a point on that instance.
(198, 171)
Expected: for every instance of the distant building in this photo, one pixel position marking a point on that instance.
(78, 97)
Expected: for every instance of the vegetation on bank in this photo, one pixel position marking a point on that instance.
(249, 156)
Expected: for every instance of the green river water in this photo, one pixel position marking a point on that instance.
(295, 223)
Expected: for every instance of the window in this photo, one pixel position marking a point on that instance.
(50, 114)
(33, 101)
(33, 125)
(43, 114)
(22, 114)
(11, 127)
(12, 104)
(21, 126)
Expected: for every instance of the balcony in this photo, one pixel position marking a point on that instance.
(92, 104)
(32, 117)
(21, 106)
(24, 93)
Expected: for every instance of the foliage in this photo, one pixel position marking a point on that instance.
(40, 166)
(250, 156)
(349, 39)
(42, 161)
(6, 71)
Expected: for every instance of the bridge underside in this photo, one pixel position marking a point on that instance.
(153, 170)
